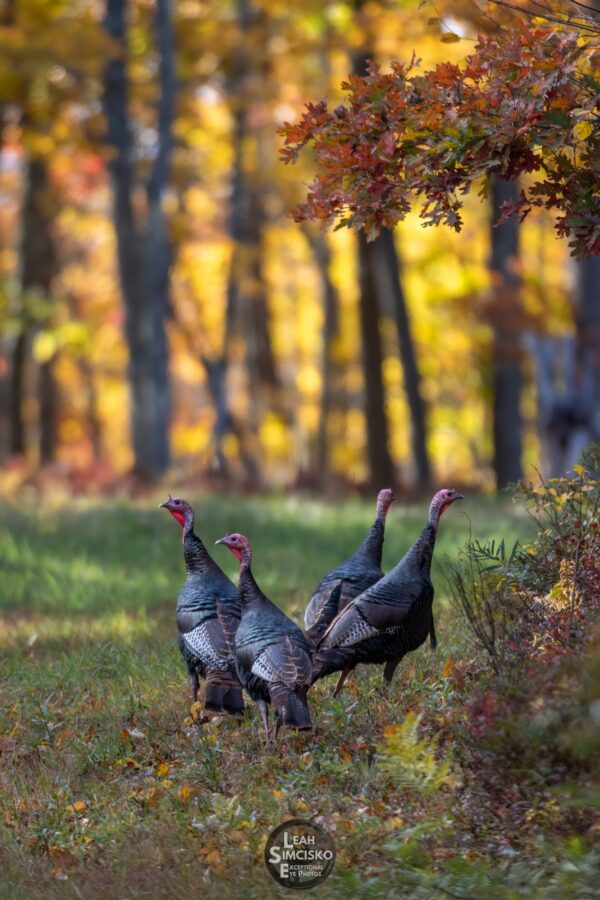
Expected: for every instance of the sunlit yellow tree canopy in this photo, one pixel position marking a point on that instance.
(160, 304)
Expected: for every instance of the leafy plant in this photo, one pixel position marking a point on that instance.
(516, 600)
(410, 760)
(484, 589)
(525, 101)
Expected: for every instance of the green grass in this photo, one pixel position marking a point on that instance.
(107, 790)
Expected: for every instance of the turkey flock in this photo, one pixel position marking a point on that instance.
(236, 639)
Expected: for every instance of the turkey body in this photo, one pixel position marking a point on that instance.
(207, 616)
(391, 618)
(273, 657)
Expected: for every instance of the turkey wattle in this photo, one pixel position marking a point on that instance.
(207, 615)
(392, 617)
(359, 571)
(273, 656)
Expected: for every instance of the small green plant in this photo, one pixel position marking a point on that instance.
(410, 760)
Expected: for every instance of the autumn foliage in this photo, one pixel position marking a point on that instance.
(524, 104)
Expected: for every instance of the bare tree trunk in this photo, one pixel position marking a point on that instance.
(568, 379)
(254, 302)
(143, 254)
(387, 284)
(38, 267)
(320, 248)
(16, 391)
(94, 427)
(507, 322)
(381, 468)
(5, 342)
(391, 294)
(48, 411)
(247, 311)
(588, 337)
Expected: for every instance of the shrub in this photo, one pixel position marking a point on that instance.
(524, 599)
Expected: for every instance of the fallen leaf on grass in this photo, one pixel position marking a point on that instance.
(76, 807)
(184, 793)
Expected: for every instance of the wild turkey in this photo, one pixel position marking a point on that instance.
(328, 613)
(273, 656)
(208, 613)
(359, 571)
(392, 617)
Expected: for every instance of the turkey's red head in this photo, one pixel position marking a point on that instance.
(180, 509)
(384, 499)
(239, 546)
(441, 502)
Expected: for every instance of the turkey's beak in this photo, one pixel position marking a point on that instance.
(165, 503)
(222, 540)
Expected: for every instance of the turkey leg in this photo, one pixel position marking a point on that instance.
(340, 684)
(388, 671)
(194, 684)
(264, 711)
(276, 726)
(432, 637)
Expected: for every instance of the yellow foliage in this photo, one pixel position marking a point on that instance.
(273, 435)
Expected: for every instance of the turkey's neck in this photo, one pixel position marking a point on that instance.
(250, 592)
(373, 543)
(195, 553)
(421, 552)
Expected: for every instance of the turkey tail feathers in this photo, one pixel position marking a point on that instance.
(223, 693)
(326, 615)
(291, 708)
(233, 701)
(330, 660)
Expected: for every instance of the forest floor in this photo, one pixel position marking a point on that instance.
(107, 788)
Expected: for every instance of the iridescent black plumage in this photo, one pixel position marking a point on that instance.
(391, 618)
(273, 656)
(207, 615)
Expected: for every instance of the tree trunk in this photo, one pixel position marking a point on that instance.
(260, 359)
(568, 379)
(588, 339)
(507, 320)
(322, 254)
(247, 311)
(18, 361)
(388, 287)
(38, 266)
(94, 426)
(248, 305)
(391, 294)
(143, 254)
(381, 468)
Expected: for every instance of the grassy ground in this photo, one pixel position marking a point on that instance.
(107, 790)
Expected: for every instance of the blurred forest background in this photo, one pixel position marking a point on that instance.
(160, 310)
